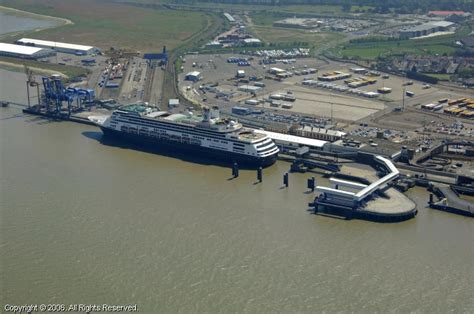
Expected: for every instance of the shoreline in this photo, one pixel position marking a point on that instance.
(36, 15)
(15, 67)
(12, 11)
(9, 66)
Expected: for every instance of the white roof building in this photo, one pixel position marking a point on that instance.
(58, 46)
(193, 76)
(173, 102)
(27, 52)
(249, 88)
(229, 17)
(194, 73)
(276, 70)
(281, 138)
(252, 41)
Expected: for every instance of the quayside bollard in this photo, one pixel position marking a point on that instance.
(235, 170)
(311, 183)
(260, 174)
(285, 179)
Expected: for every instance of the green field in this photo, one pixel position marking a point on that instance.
(316, 9)
(304, 9)
(380, 48)
(374, 51)
(294, 37)
(16, 64)
(106, 24)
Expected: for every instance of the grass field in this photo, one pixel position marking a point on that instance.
(106, 24)
(371, 50)
(314, 9)
(278, 35)
(268, 17)
(15, 64)
(375, 49)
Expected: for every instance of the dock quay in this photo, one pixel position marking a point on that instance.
(450, 200)
(72, 118)
(390, 207)
(378, 201)
(367, 195)
(303, 165)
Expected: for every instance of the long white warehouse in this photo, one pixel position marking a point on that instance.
(25, 52)
(57, 46)
(286, 139)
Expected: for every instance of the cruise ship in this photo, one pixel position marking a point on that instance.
(209, 134)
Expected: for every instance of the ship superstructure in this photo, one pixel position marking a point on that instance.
(210, 134)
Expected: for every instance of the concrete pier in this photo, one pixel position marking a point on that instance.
(450, 201)
(376, 201)
(392, 207)
(78, 118)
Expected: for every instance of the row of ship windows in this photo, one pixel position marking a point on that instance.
(175, 138)
(161, 135)
(199, 137)
(141, 121)
(179, 129)
(264, 143)
(176, 127)
(265, 150)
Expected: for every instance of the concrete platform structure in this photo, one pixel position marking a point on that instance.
(376, 201)
(451, 201)
(354, 200)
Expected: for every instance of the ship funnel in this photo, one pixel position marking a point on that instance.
(215, 114)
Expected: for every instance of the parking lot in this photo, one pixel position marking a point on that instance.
(219, 73)
(221, 87)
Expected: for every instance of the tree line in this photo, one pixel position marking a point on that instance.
(384, 6)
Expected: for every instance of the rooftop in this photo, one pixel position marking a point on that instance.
(193, 73)
(48, 43)
(249, 88)
(427, 26)
(308, 128)
(280, 137)
(252, 40)
(24, 50)
(173, 102)
(229, 17)
(446, 13)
